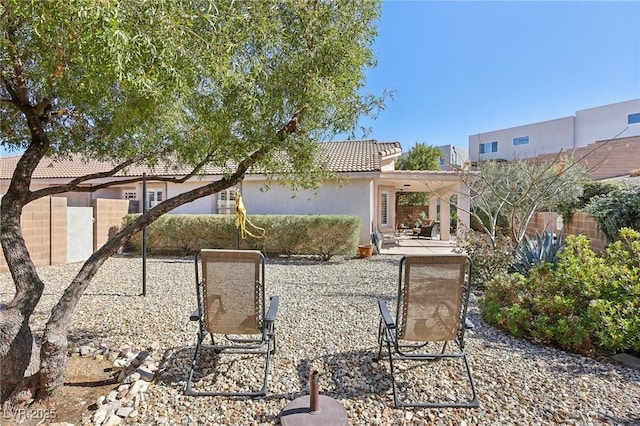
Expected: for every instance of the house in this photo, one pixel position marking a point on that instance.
(367, 188)
(453, 155)
(588, 126)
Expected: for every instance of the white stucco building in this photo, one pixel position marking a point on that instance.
(368, 187)
(603, 123)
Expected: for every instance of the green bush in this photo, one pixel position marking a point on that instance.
(587, 301)
(322, 235)
(617, 209)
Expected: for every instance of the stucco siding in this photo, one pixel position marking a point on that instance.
(353, 199)
(203, 205)
(606, 122)
(545, 137)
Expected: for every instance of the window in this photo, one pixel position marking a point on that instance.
(154, 197)
(523, 140)
(633, 118)
(384, 209)
(488, 147)
(227, 201)
(130, 195)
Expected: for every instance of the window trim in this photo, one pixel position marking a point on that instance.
(521, 140)
(385, 213)
(493, 146)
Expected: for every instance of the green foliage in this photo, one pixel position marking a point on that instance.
(587, 301)
(530, 252)
(420, 157)
(322, 235)
(616, 209)
(489, 258)
(195, 82)
(567, 207)
(329, 236)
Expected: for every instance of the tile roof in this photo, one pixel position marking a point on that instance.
(345, 156)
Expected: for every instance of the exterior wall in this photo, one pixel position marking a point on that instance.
(544, 137)
(107, 214)
(601, 123)
(606, 122)
(204, 205)
(353, 199)
(607, 159)
(58, 231)
(453, 154)
(581, 224)
(44, 228)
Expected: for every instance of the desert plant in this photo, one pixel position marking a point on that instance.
(588, 301)
(531, 252)
(490, 258)
(615, 210)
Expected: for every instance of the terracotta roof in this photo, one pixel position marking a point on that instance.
(346, 156)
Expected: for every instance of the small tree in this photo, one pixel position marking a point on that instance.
(186, 83)
(515, 190)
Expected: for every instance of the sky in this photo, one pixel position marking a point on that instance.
(459, 68)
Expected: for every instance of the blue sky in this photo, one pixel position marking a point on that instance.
(461, 68)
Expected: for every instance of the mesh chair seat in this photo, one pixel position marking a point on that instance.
(433, 294)
(232, 311)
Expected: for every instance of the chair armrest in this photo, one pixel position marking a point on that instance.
(195, 315)
(468, 324)
(274, 301)
(386, 315)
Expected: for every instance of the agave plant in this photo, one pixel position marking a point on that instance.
(532, 252)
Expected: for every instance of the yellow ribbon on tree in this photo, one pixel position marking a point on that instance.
(242, 220)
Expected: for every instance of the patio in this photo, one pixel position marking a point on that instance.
(406, 244)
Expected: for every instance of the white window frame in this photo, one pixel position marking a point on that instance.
(154, 197)
(227, 201)
(130, 195)
(385, 213)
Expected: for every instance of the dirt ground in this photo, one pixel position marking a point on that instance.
(87, 379)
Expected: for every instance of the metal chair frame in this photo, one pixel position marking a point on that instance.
(389, 335)
(265, 344)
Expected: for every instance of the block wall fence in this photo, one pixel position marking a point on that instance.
(44, 228)
(581, 223)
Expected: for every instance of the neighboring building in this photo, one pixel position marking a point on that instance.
(368, 187)
(604, 123)
(453, 155)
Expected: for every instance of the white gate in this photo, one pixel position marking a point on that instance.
(79, 233)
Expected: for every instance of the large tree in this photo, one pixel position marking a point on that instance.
(420, 157)
(196, 82)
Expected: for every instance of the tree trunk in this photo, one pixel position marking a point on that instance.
(16, 340)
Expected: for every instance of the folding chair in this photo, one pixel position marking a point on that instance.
(231, 309)
(433, 294)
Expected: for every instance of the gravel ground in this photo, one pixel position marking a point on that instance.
(328, 321)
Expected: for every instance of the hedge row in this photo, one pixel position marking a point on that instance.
(322, 235)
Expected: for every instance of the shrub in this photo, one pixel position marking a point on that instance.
(587, 301)
(488, 260)
(617, 209)
(323, 235)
